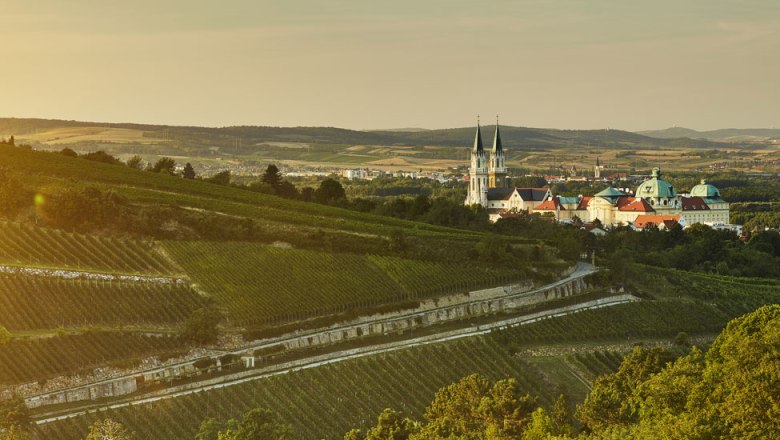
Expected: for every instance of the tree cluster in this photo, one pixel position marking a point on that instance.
(255, 424)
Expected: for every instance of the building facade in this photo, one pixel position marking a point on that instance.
(655, 198)
(488, 186)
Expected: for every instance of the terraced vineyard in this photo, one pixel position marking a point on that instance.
(39, 302)
(423, 278)
(356, 391)
(42, 358)
(61, 250)
(263, 285)
(406, 379)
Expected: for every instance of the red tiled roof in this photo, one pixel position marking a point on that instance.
(668, 221)
(553, 204)
(693, 204)
(584, 202)
(634, 204)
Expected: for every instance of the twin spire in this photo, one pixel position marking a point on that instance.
(497, 146)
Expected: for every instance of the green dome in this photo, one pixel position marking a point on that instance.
(705, 190)
(611, 194)
(655, 187)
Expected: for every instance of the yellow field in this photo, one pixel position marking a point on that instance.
(62, 136)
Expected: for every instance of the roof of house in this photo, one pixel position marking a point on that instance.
(500, 193)
(551, 204)
(705, 189)
(584, 202)
(655, 187)
(611, 195)
(693, 204)
(645, 220)
(532, 194)
(569, 200)
(631, 204)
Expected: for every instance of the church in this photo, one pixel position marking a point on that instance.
(488, 183)
(655, 201)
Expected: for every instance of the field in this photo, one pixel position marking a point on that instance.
(262, 285)
(33, 302)
(29, 360)
(30, 246)
(531, 148)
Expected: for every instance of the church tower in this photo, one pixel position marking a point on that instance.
(497, 170)
(478, 173)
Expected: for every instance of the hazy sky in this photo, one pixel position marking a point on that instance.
(402, 63)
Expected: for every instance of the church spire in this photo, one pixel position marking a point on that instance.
(497, 147)
(478, 148)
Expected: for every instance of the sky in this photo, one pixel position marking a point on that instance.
(367, 64)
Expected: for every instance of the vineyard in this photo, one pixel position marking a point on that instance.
(37, 302)
(22, 245)
(407, 379)
(38, 359)
(263, 285)
(325, 402)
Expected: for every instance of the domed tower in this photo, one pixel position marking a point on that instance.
(705, 190)
(478, 173)
(659, 193)
(497, 168)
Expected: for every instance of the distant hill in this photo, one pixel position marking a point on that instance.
(195, 140)
(721, 135)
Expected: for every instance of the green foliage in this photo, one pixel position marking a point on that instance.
(68, 152)
(272, 176)
(137, 163)
(611, 401)
(189, 172)
(108, 429)
(164, 165)
(329, 192)
(476, 408)
(14, 413)
(201, 326)
(731, 392)
(221, 178)
(101, 156)
(14, 196)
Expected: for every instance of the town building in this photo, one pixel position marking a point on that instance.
(488, 183)
(655, 200)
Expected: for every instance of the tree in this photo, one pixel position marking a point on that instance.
(272, 176)
(391, 425)
(135, 162)
(164, 165)
(221, 178)
(262, 424)
(329, 191)
(208, 429)
(287, 190)
(201, 326)
(307, 194)
(12, 141)
(189, 172)
(14, 412)
(108, 430)
(612, 401)
(476, 408)
(561, 418)
(68, 152)
(101, 156)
